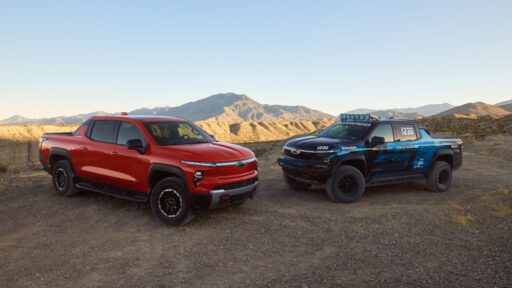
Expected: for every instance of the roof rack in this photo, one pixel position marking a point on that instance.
(366, 117)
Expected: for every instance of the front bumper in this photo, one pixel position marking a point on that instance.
(305, 170)
(225, 195)
(221, 197)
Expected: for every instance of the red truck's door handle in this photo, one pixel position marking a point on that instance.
(83, 148)
(114, 153)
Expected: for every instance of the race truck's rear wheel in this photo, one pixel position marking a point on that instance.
(346, 185)
(440, 179)
(170, 202)
(62, 179)
(294, 184)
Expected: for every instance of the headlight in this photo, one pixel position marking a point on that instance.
(197, 163)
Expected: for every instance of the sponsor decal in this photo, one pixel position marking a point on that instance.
(419, 163)
(356, 124)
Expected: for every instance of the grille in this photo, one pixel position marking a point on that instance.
(306, 155)
(235, 185)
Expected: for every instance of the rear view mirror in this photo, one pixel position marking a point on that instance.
(136, 144)
(377, 140)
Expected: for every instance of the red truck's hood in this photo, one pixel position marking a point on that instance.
(211, 152)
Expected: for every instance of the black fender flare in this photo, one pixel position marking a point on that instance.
(60, 152)
(350, 157)
(437, 154)
(166, 168)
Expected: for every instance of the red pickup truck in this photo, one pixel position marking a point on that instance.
(170, 163)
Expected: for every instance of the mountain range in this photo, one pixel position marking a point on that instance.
(237, 108)
(226, 107)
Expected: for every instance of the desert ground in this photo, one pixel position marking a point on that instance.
(398, 235)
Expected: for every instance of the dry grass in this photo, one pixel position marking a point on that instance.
(463, 220)
(502, 209)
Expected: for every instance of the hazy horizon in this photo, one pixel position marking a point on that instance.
(66, 58)
(151, 107)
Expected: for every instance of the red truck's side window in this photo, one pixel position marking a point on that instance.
(104, 130)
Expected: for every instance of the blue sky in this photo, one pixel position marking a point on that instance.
(69, 57)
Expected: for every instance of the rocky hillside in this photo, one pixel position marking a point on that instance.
(474, 111)
(19, 144)
(480, 128)
(228, 107)
(261, 131)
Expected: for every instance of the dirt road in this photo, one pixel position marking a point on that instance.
(397, 235)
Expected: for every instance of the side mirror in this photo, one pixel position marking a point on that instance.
(136, 144)
(377, 140)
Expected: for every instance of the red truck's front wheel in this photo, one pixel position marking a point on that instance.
(170, 202)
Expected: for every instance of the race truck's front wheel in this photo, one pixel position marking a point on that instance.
(440, 179)
(294, 184)
(170, 203)
(346, 185)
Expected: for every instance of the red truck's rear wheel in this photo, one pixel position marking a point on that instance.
(62, 178)
(170, 202)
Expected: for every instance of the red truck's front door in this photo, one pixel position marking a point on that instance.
(131, 166)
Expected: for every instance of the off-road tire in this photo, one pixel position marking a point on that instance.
(294, 184)
(170, 202)
(440, 178)
(63, 179)
(346, 178)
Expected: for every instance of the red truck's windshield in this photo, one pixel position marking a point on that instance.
(177, 133)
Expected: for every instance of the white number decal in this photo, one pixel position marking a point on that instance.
(407, 130)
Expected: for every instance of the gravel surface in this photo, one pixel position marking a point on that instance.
(397, 235)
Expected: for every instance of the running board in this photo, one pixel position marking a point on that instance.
(394, 179)
(113, 191)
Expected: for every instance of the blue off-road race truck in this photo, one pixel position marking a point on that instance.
(361, 150)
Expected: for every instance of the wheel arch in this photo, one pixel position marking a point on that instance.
(355, 160)
(159, 171)
(58, 154)
(445, 155)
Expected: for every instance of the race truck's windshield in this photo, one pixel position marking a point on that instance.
(346, 131)
(177, 133)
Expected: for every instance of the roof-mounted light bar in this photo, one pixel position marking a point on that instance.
(363, 117)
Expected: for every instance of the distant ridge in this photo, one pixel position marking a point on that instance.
(474, 111)
(16, 120)
(508, 102)
(507, 107)
(416, 112)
